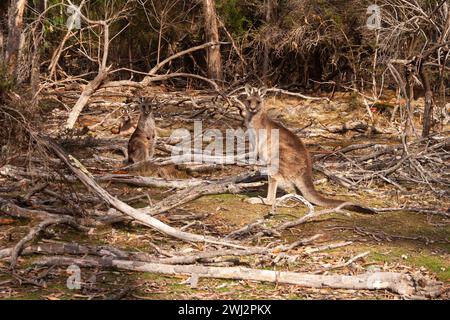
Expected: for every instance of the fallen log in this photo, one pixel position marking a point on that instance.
(52, 248)
(140, 181)
(358, 126)
(36, 230)
(405, 284)
(114, 253)
(14, 210)
(134, 180)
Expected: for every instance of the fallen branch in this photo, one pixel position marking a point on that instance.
(347, 263)
(190, 194)
(301, 242)
(114, 253)
(134, 180)
(156, 68)
(404, 284)
(358, 126)
(14, 210)
(180, 74)
(36, 230)
(71, 249)
(86, 178)
(328, 246)
(295, 94)
(310, 215)
(140, 181)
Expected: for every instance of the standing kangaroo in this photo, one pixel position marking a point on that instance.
(141, 145)
(294, 161)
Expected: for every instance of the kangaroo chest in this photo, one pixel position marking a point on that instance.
(263, 140)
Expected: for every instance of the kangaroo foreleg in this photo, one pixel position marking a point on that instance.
(271, 194)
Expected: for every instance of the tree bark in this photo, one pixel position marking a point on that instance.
(401, 283)
(214, 59)
(2, 46)
(269, 9)
(92, 86)
(15, 35)
(37, 41)
(428, 111)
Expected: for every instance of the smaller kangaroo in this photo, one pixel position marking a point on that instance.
(141, 145)
(126, 124)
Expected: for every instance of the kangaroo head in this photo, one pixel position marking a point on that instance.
(125, 114)
(254, 100)
(147, 105)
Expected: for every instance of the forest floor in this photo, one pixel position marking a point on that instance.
(400, 241)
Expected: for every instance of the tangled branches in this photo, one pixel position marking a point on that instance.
(420, 162)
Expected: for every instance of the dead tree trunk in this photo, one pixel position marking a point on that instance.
(407, 285)
(409, 76)
(37, 41)
(428, 111)
(214, 59)
(92, 86)
(15, 35)
(2, 47)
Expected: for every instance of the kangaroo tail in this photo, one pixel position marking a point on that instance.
(306, 187)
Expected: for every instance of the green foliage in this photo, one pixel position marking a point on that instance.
(431, 3)
(6, 83)
(234, 18)
(435, 264)
(354, 103)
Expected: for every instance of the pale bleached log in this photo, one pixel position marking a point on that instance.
(401, 283)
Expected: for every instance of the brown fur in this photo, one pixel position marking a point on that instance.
(294, 167)
(141, 145)
(126, 124)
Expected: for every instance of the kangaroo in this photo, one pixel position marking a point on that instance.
(141, 145)
(294, 161)
(126, 124)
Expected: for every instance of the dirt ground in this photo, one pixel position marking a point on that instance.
(397, 241)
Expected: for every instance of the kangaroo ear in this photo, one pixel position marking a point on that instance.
(141, 104)
(248, 89)
(262, 92)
